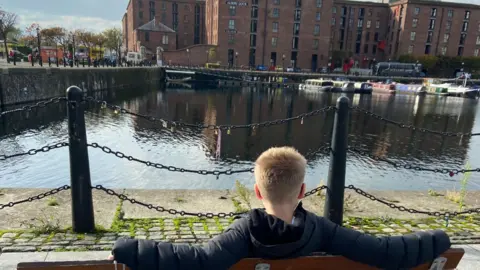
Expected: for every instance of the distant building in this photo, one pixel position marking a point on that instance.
(185, 18)
(422, 27)
(306, 34)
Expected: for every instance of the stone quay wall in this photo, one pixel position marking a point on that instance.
(22, 85)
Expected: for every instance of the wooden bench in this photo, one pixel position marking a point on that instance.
(447, 261)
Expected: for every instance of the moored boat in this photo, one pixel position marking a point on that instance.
(316, 85)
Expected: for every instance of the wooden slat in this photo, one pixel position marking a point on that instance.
(74, 265)
(335, 263)
(453, 257)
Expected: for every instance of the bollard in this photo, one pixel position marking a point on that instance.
(14, 60)
(40, 60)
(56, 60)
(33, 60)
(81, 190)
(49, 62)
(333, 209)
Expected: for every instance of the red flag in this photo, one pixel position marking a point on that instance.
(381, 45)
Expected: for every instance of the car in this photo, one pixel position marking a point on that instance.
(279, 68)
(289, 69)
(261, 68)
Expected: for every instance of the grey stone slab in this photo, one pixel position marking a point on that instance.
(19, 249)
(50, 248)
(83, 242)
(27, 235)
(10, 260)
(471, 259)
(9, 235)
(77, 256)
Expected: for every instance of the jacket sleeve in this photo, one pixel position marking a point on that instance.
(390, 252)
(221, 252)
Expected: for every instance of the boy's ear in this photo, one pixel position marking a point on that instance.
(301, 195)
(257, 192)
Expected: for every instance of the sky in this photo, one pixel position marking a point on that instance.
(92, 15)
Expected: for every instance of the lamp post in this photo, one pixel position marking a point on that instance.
(236, 59)
(283, 62)
(39, 48)
(188, 53)
(207, 55)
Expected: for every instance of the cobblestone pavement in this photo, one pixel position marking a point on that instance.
(198, 231)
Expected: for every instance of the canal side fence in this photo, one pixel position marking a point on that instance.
(80, 182)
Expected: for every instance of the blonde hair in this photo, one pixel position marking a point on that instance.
(279, 174)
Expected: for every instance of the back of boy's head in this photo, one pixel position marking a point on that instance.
(279, 174)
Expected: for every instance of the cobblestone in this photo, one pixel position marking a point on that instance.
(461, 232)
(9, 235)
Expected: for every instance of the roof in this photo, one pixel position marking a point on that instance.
(156, 26)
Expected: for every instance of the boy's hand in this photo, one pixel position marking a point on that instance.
(110, 257)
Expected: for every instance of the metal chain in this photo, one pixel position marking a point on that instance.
(32, 152)
(36, 197)
(412, 127)
(166, 167)
(40, 104)
(410, 210)
(314, 191)
(450, 172)
(174, 124)
(124, 197)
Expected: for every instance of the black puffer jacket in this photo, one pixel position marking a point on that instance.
(261, 235)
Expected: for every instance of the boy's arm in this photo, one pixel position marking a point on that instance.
(390, 252)
(221, 252)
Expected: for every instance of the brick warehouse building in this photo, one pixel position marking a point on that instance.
(146, 21)
(304, 33)
(433, 28)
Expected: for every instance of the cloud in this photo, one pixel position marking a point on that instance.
(95, 24)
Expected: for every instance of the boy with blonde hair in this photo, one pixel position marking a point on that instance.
(282, 230)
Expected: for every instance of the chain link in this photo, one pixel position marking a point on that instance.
(32, 152)
(314, 191)
(36, 197)
(40, 104)
(173, 124)
(450, 172)
(166, 167)
(124, 197)
(412, 127)
(410, 210)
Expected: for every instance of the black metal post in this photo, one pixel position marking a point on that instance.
(81, 190)
(338, 159)
(49, 62)
(14, 60)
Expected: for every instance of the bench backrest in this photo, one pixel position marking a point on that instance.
(452, 256)
(447, 261)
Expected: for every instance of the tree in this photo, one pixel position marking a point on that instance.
(54, 35)
(8, 21)
(30, 35)
(85, 38)
(113, 40)
(99, 40)
(15, 35)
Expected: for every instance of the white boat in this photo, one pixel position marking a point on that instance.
(316, 85)
(451, 88)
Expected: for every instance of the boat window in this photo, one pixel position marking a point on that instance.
(327, 83)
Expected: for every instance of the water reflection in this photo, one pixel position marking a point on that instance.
(196, 148)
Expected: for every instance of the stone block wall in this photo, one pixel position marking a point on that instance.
(22, 85)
